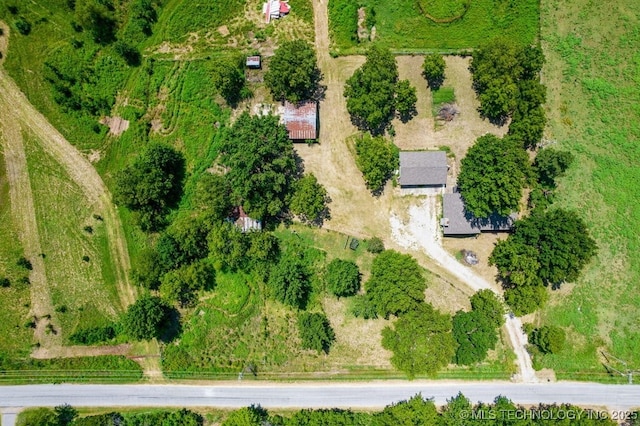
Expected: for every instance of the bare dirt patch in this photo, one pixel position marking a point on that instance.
(117, 125)
(421, 132)
(482, 245)
(224, 31)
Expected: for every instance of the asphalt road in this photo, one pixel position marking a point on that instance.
(314, 395)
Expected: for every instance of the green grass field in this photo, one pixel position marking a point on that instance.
(401, 26)
(593, 75)
(444, 95)
(15, 338)
(86, 288)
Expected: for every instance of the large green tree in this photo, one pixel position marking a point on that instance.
(406, 100)
(396, 285)
(377, 158)
(433, 70)
(228, 77)
(504, 72)
(293, 72)
(477, 331)
(370, 91)
(261, 162)
(97, 17)
(492, 176)
(146, 318)
(213, 198)
(289, 281)
(309, 200)
(343, 278)
(550, 164)
(421, 341)
(181, 285)
(315, 331)
(152, 184)
(415, 411)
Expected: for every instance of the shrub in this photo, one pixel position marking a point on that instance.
(548, 338)
(93, 335)
(315, 331)
(23, 26)
(375, 245)
(362, 307)
(145, 319)
(433, 70)
(5, 282)
(25, 263)
(343, 278)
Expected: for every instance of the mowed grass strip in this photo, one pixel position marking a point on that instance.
(77, 260)
(400, 25)
(593, 75)
(15, 336)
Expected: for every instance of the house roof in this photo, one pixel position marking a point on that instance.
(423, 168)
(253, 61)
(458, 221)
(301, 120)
(243, 221)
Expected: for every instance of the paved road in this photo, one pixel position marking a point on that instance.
(316, 395)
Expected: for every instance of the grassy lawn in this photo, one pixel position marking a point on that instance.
(15, 338)
(99, 369)
(84, 285)
(444, 95)
(402, 26)
(593, 75)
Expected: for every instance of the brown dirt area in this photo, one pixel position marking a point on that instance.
(116, 125)
(482, 246)
(421, 132)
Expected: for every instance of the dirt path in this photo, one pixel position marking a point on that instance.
(80, 170)
(354, 211)
(24, 215)
(421, 232)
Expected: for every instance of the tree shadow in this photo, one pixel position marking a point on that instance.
(172, 326)
(407, 116)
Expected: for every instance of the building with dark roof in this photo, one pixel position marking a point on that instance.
(457, 221)
(301, 120)
(423, 169)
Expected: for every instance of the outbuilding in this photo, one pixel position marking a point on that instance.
(424, 169)
(254, 62)
(458, 222)
(301, 120)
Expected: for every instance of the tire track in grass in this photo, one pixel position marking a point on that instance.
(81, 172)
(24, 215)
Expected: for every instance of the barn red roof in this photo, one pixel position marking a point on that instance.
(284, 8)
(301, 120)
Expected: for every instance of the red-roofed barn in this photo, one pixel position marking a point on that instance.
(301, 120)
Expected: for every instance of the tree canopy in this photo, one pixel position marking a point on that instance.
(377, 158)
(550, 164)
(293, 72)
(477, 331)
(396, 285)
(181, 285)
(310, 199)
(370, 91)
(315, 331)
(547, 248)
(262, 165)
(289, 281)
(406, 100)
(152, 184)
(433, 70)
(228, 77)
(146, 318)
(548, 339)
(503, 72)
(412, 412)
(97, 17)
(492, 176)
(343, 278)
(421, 341)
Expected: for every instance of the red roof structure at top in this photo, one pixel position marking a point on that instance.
(284, 7)
(301, 120)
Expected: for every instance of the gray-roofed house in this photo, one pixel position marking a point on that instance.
(457, 221)
(423, 169)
